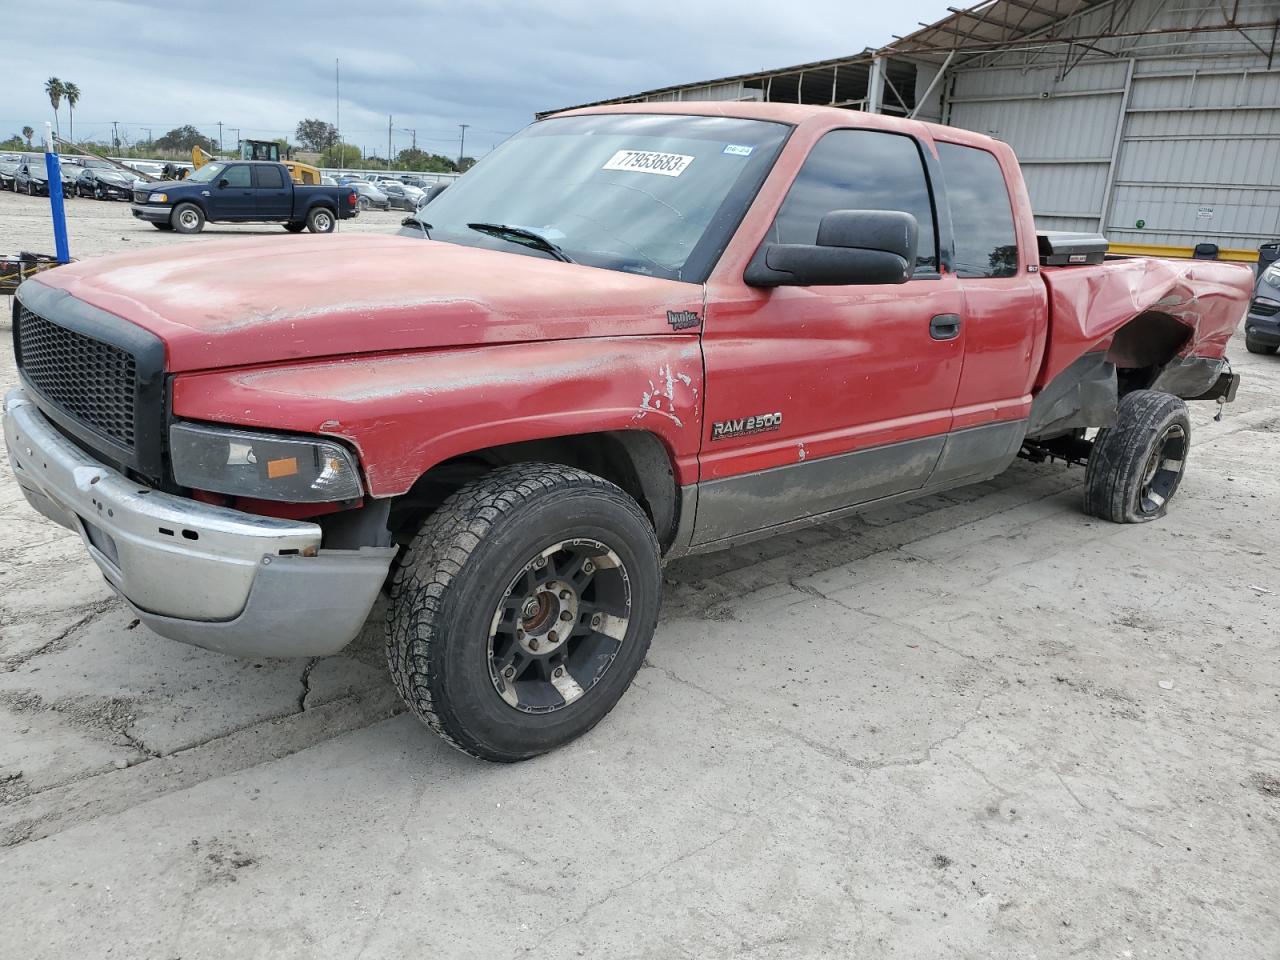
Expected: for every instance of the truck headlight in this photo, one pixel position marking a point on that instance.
(158, 198)
(263, 466)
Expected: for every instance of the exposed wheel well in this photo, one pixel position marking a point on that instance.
(1143, 347)
(634, 460)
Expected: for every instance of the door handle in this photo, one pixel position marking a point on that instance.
(204, 193)
(945, 326)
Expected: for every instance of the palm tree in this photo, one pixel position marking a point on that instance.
(28, 133)
(54, 88)
(72, 93)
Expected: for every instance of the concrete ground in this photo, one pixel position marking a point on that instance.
(979, 725)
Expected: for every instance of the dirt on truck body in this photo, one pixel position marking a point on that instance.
(696, 326)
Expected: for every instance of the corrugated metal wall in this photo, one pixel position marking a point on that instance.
(1169, 143)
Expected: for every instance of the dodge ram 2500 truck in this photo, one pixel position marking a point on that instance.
(242, 192)
(629, 334)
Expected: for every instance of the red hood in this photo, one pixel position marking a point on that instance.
(229, 303)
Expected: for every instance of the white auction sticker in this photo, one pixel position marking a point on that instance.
(644, 161)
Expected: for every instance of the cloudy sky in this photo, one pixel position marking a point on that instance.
(261, 66)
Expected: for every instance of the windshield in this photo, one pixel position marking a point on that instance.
(652, 194)
(208, 173)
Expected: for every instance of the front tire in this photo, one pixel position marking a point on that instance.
(1136, 464)
(321, 220)
(483, 597)
(187, 218)
(1253, 346)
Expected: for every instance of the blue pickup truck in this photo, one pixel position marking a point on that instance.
(242, 192)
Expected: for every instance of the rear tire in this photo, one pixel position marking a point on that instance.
(481, 600)
(364, 204)
(1136, 465)
(1253, 346)
(321, 220)
(187, 218)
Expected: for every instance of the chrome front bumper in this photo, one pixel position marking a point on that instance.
(217, 578)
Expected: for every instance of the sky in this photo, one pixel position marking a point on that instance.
(260, 67)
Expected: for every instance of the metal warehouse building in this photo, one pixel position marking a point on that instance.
(1155, 123)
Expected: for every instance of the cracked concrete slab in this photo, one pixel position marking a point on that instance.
(979, 725)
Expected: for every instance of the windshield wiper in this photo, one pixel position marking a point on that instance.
(523, 236)
(415, 222)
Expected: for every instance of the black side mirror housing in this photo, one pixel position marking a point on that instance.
(854, 247)
(224, 183)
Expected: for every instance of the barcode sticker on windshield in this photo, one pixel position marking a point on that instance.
(643, 161)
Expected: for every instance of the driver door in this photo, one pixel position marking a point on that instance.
(820, 398)
(232, 195)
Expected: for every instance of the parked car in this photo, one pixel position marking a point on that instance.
(401, 196)
(709, 324)
(1262, 324)
(32, 178)
(8, 171)
(103, 181)
(244, 191)
(370, 197)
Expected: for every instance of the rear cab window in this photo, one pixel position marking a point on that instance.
(268, 178)
(981, 214)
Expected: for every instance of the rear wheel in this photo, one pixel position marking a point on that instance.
(523, 609)
(364, 203)
(1253, 346)
(321, 220)
(187, 218)
(1136, 465)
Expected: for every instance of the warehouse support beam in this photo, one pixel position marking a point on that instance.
(875, 85)
(928, 92)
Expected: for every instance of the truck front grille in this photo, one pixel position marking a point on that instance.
(93, 382)
(1260, 309)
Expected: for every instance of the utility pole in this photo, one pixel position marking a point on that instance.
(462, 145)
(388, 141)
(337, 110)
(115, 133)
(149, 138)
(414, 134)
(219, 138)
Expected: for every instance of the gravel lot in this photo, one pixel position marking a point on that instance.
(980, 725)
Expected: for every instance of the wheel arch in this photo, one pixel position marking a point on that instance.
(637, 461)
(1144, 346)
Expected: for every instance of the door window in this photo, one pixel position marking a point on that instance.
(859, 170)
(237, 176)
(986, 244)
(268, 178)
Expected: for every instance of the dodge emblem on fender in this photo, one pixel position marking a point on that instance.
(744, 426)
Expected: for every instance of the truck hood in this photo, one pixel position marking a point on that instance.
(233, 303)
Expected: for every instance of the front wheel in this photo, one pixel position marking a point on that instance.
(320, 220)
(522, 610)
(1136, 464)
(364, 203)
(1253, 346)
(187, 218)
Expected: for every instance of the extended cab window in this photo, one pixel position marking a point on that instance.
(237, 176)
(268, 178)
(986, 244)
(859, 170)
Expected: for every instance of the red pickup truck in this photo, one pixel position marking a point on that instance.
(629, 334)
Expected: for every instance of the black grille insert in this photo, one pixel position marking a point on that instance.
(94, 382)
(1260, 309)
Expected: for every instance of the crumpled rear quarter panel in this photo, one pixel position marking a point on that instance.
(1088, 304)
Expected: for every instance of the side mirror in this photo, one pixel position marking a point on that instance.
(854, 247)
(224, 183)
(431, 194)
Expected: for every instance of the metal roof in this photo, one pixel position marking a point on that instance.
(1000, 26)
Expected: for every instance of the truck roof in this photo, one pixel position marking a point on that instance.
(790, 113)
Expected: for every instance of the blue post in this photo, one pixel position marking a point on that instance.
(54, 168)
